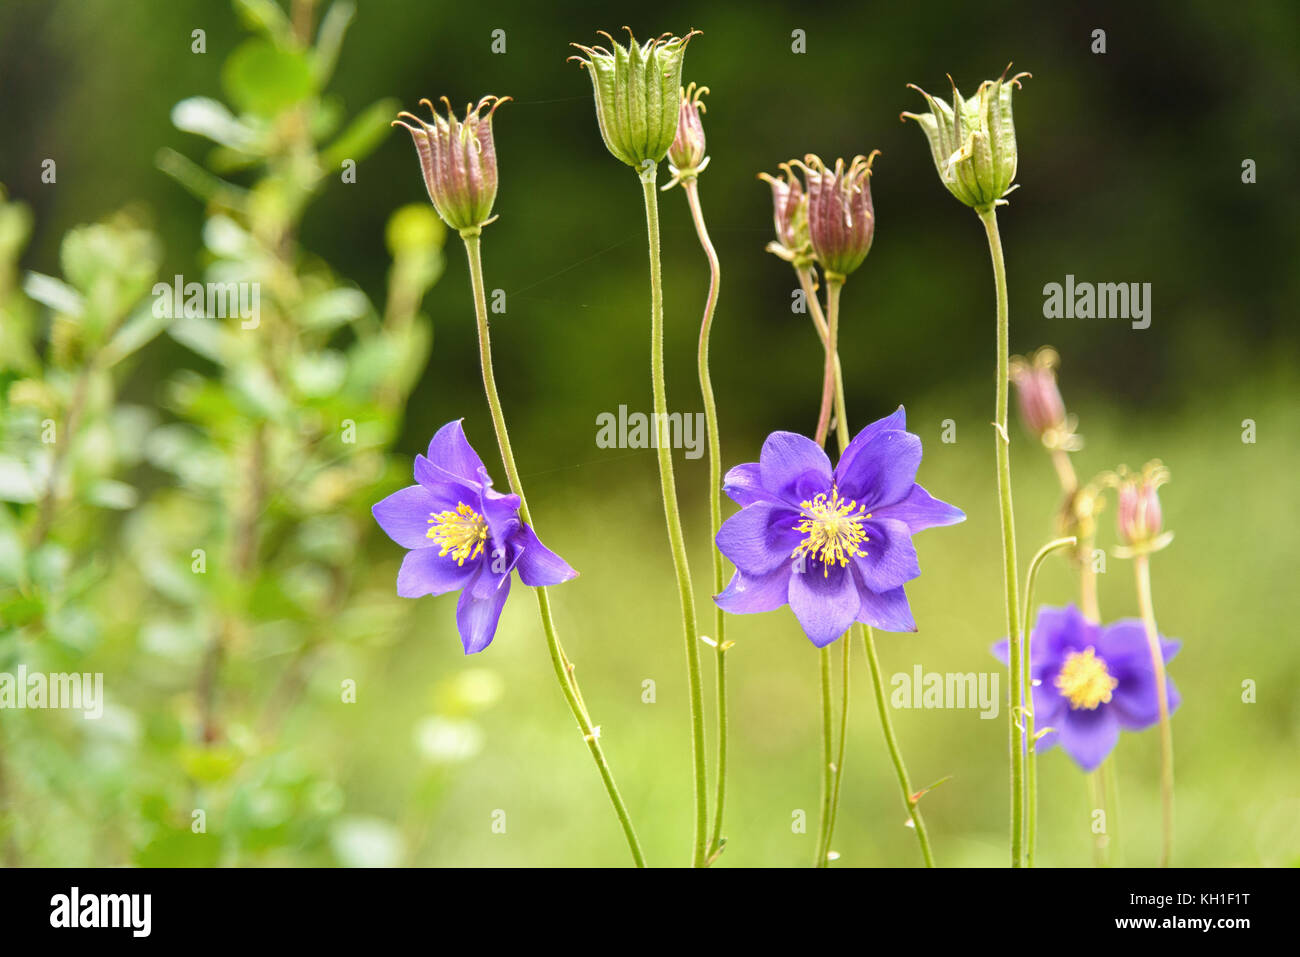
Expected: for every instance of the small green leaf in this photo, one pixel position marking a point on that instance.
(265, 79)
(54, 293)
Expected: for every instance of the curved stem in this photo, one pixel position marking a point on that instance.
(833, 287)
(691, 187)
(563, 667)
(910, 799)
(1009, 576)
(837, 769)
(1031, 578)
(672, 517)
(1143, 569)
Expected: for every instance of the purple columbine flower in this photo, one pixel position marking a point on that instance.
(1090, 681)
(464, 536)
(836, 546)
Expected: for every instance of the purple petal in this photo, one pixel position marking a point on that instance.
(759, 537)
(881, 471)
(450, 450)
(920, 510)
(825, 604)
(751, 594)
(895, 421)
(886, 610)
(1088, 736)
(501, 512)
(1123, 646)
(425, 572)
(793, 467)
(891, 558)
(404, 515)
(1058, 632)
(479, 609)
(537, 564)
(441, 482)
(744, 484)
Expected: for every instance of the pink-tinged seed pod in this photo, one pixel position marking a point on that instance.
(841, 220)
(686, 157)
(459, 161)
(1139, 518)
(790, 217)
(1041, 407)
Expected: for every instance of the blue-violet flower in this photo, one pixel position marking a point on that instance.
(1091, 680)
(835, 546)
(464, 536)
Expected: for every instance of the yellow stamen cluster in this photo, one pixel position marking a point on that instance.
(833, 530)
(1084, 680)
(460, 533)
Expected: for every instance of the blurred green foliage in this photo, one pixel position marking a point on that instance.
(136, 448)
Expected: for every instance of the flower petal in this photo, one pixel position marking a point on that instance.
(450, 450)
(920, 510)
(751, 594)
(881, 471)
(538, 565)
(759, 537)
(890, 558)
(1088, 736)
(501, 512)
(744, 484)
(793, 467)
(479, 609)
(1123, 646)
(404, 515)
(896, 421)
(425, 572)
(886, 610)
(825, 604)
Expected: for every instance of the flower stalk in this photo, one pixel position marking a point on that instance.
(988, 216)
(564, 671)
(672, 517)
(1142, 569)
(690, 184)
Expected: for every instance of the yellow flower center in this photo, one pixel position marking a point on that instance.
(1084, 680)
(832, 529)
(460, 533)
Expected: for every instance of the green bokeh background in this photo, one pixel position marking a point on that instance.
(1130, 170)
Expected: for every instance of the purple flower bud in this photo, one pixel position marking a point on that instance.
(1139, 519)
(686, 156)
(841, 220)
(459, 162)
(790, 216)
(1041, 407)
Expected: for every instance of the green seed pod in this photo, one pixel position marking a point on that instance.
(973, 142)
(637, 90)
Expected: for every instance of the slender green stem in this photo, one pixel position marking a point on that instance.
(691, 187)
(910, 798)
(672, 517)
(837, 768)
(1097, 802)
(824, 656)
(563, 667)
(1031, 809)
(1110, 779)
(866, 633)
(1143, 569)
(833, 286)
(1009, 574)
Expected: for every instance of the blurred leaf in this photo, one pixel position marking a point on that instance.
(265, 79)
(318, 374)
(135, 333)
(210, 765)
(205, 116)
(110, 493)
(334, 307)
(16, 483)
(366, 131)
(333, 27)
(197, 181)
(54, 293)
(268, 17)
(207, 337)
